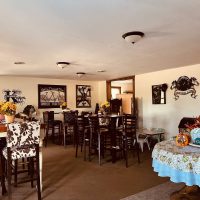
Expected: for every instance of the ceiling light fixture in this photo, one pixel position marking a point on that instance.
(19, 63)
(133, 36)
(101, 70)
(80, 74)
(62, 64)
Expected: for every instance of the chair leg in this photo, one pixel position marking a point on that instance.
(126, 151)
(99, 147)
(77, 143)
(64, 136)
(148, 145)
(141, 146)
(84, 147)
(9, 174)
(138, 153)
(31, 164)
(38, 172)
(15, 172)
(3, 161)
(46, 137)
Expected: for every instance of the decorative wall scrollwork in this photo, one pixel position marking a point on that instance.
(184, 85)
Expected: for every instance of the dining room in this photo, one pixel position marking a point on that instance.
(63, 62)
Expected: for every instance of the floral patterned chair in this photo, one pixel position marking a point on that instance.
(23, 142)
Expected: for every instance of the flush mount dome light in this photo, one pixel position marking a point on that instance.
(19, 63)
(62, 64)
(133, 36)
(80, 74)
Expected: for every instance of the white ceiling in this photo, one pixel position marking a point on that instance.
(88, 33)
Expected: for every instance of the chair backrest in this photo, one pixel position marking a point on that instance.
(83, 113)
(23, 134)
(129, 123)
(94, 123)
(48, 116)
(70, 117)
(115, 105)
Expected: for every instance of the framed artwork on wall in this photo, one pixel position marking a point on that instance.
(159, 94)
(51, 96)
(83, 96)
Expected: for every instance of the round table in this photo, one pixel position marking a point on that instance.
(181, 164)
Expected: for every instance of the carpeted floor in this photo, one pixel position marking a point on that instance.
(163, 190)
(68, 178)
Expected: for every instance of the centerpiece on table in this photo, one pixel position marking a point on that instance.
(63, 105)
(105, 108)
(8, 109)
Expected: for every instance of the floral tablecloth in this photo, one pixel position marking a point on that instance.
(181, 164)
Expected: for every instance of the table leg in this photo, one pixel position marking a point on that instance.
(187, 193)
(40, 158)
(113, 139)
(2, 144)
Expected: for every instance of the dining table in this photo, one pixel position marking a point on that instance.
(181, 164)
(111, 121)
(3, 135)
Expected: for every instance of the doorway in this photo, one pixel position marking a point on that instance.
(123, 88)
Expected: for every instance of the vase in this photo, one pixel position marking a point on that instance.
(2, 117)
(9, 118)
(195, 136)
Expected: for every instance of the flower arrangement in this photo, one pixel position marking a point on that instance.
(8, 108)
(105, 107)
(64, 105)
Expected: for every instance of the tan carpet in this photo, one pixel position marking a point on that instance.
(163, 190)
(68, 178)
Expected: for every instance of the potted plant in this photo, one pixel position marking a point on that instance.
(8, 109)
(105, 107)
(64, 105)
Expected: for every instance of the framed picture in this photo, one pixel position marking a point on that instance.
(51, 96)
(159, 94)
(83, 96)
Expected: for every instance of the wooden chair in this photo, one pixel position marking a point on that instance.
(69, 126)
(52, 126)
(82, 130)
(129, 136)
(23, 142)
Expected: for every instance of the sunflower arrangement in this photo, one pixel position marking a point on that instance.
(105, 107)
(8, 108)
(64, 105)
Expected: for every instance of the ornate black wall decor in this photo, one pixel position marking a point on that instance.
(159, 94)
(83, 96)
(183, 86)
(51, 96)
(14, 95)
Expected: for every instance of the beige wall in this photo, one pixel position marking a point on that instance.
(102, 96)
(166, 115)
(29, 88)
